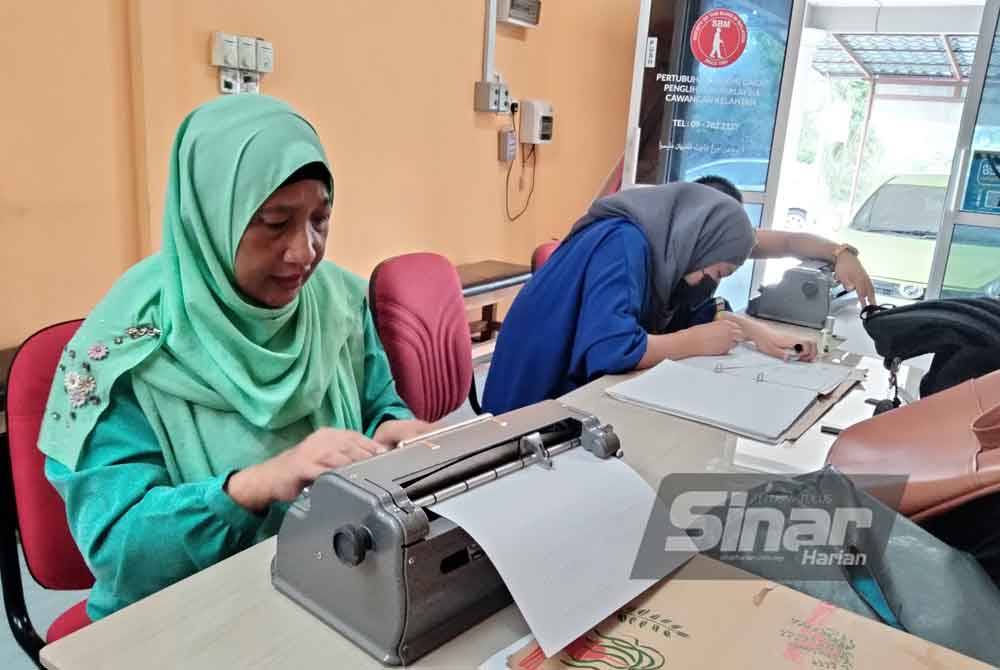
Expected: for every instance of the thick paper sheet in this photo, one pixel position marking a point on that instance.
(563, 540)
(748, 363)
(754, 409)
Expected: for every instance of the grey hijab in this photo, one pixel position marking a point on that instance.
(688, 227)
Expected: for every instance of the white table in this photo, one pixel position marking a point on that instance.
(229, 616)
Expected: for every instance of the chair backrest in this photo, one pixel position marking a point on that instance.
(542, 253)
(49, 550)
(416, 302)
(613, 182)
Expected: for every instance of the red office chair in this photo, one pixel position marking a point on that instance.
(30, 506)
(542, 253)
(416, 303)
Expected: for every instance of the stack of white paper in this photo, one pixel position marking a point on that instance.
(740, 404)
(806, 454)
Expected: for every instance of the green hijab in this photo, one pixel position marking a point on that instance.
(224, 383)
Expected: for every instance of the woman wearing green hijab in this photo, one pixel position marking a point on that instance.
(223, 374)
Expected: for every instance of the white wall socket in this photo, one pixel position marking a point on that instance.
(249, 81)
(229, 80)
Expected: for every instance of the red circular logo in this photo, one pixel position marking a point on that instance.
(718, 38)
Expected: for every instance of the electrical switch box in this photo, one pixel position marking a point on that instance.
(248, 53)
(507, 144)
(537, 121)
(265, 56)
(492, 96)
(225, 50)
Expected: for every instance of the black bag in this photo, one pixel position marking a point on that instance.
(963, 334)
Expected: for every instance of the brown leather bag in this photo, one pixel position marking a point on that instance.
(947, 444)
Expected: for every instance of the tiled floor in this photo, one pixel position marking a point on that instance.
(46, 605)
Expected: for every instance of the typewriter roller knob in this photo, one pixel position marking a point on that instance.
(351, 543)
(602, 442)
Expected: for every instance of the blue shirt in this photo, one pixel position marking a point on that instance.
(578, 318)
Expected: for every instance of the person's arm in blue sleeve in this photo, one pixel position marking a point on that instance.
(610, 338)
(137, 532)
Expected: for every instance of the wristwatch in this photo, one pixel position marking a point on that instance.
(841, 248)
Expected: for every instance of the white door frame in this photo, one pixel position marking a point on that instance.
(770, 196)
(953, 214)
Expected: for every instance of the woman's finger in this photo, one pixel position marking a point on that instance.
(343, 455)
(314, 470)
(868, 293)
(370, 446)
(358, 453)
(772, 349)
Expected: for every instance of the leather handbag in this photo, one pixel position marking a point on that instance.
(947, 444)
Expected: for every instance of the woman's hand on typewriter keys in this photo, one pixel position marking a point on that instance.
(284, 476)
(390, 433)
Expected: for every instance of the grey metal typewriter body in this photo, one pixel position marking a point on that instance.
(805, 296)
(361, 550)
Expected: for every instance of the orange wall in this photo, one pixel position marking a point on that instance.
(67, 206)
(388, 85)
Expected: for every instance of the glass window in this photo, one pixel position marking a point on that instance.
(902, 209)
(748, 174)
(973, 263)
(862, 218)
(880, 186)
(710, 95)
(736, 287)
(982, 188)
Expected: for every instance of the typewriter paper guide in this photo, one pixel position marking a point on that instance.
(563, 540)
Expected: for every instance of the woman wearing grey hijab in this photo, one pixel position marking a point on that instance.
(630, 286)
